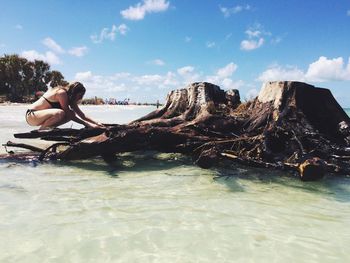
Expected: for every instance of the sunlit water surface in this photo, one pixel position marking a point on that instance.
(154, 207)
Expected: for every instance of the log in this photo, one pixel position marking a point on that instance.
(312, 169)
(289, 126)
(23, 146)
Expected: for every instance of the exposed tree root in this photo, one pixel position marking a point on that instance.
(289, 126)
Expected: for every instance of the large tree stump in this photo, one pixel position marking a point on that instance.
(287, 124)
(312, 169)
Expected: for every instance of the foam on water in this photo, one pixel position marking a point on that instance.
(156, 207)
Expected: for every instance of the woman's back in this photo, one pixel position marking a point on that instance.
(58, 106)
(48, 99)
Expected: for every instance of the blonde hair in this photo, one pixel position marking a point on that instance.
(73, 89)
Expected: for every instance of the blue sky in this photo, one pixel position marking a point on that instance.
(142, 49)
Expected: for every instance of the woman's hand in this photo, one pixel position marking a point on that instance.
(100, 125)
(93, 125)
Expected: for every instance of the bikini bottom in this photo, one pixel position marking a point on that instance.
(29, 112)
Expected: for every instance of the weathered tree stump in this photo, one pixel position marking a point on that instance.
(289, 126)
(312, 169)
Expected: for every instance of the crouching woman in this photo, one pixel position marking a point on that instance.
(59, 105)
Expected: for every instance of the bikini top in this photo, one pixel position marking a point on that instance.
(54, 104)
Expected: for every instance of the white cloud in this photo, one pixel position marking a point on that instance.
(185, 70)
(150, 87)
(98, 85)
(228, 36)
(149, 80)
(110, 34)
(78, 51)
(323, 69)
(55, 47)
(49, 56)
(276, 40)
(140, 87)
(255, 37)
(120, 75)
(251, 94)
(51, 44)
(19, 27)
(106, 33)
(83, 76)
(122, 29)
(188, 75)
(228, 83)
(139, 11)
(223, 78)
(227, 12)
(251, 44)
(277, 72)
(227, 71)
(2, 45)
(210, 44)
(158, 62)
(253, 33)
(170, 80)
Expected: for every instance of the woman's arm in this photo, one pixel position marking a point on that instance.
(74, 117)
(71, 114)
(82, 115)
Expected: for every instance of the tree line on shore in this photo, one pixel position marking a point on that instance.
(112, 101)
(24, 81)
(21, 80)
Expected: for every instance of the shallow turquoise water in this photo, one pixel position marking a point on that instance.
(347, 110)
(153, 207)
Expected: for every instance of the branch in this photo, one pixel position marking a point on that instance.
(24, 146)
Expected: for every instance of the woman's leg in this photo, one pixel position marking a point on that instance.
(46, 118)
(63, 121)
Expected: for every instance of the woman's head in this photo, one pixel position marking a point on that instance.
(75, 91)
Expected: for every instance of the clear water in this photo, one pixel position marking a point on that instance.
(155, 207)
(347, 110)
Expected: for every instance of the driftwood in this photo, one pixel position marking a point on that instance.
(289, 126)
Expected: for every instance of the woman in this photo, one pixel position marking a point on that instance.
(58, 106)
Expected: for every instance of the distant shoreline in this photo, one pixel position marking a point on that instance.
(24, 104)
(110, 105)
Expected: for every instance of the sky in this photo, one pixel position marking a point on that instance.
(142, 49)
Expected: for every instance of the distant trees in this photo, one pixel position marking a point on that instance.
(21, 79)
(55, 78)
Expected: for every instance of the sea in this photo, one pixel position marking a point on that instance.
(159, 207)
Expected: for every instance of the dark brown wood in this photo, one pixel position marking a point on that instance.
(24, 146)
(312, 169)
(290, 126)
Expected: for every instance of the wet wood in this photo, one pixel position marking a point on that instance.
(289, 126)
(312, 169)
(23, 146)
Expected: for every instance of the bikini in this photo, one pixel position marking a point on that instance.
(28, 112)
(54, 105)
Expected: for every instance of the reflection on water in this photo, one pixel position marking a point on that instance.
(156, 207)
